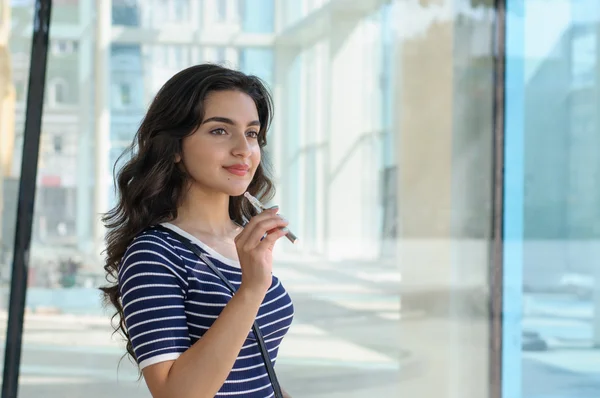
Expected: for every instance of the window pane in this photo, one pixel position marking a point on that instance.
(67, 339)
(386, 135)
(257, 16)
(221, 14)
(552, 217)
(381, 147)
(125, 13)
(15, 50)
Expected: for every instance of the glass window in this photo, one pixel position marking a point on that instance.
(58, 144)
(125, 13)
(221, 10)
(14, 66)
(220, 55)
(241, 9)
(257, 61)
(125, 90)
(584, 58)
(63, 47)
(410, 260)
(181, 10)
(551, 327)
(382, 153)
(57, 91)
(257, 16)
(20, 89)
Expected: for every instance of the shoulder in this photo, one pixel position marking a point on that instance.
(153, 239)
(153, 249)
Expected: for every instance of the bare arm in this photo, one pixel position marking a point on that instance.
(201, 370)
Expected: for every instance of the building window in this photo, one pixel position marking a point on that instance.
(57, 93)
(583, 59)
(220, 55)
(20, 89)
(181, 10)
(221, 10)
(125, 93)
(64, 47)
(176, 56)
(57, 142)
(125, 13)
(241, 9)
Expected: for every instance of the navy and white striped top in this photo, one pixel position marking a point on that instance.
(170, 298)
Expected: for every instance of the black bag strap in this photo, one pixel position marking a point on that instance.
(255, 328)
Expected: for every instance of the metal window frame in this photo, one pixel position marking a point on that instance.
(497, 246)
(27, 190)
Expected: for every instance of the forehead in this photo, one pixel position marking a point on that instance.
(232, 104)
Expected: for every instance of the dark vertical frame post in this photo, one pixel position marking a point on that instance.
(27, 185)
(497, 247)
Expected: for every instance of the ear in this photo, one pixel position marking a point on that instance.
(177, 158)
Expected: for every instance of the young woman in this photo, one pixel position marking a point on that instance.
(198, 150)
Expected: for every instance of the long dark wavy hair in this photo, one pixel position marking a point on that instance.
(150, 185)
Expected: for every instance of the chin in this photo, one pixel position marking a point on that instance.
(236, 189)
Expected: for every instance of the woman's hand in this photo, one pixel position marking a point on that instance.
(255, 253)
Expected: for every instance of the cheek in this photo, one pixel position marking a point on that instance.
(256, 155)
(197, 158)
(195, 149)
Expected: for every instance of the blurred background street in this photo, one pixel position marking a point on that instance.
(328, 352)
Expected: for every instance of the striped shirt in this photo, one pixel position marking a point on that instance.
(170, 298)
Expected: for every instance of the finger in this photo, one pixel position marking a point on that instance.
(249, 224)
(254, 236)
(264, 227)
(270, 232)
(275, 229)
(265, 215)
(257, 223)
(262, 216)
(273, 237)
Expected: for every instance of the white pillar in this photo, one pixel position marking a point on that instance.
(596, 264)
(102, 114)
(85, 158)
(284, 57)
(351, 166)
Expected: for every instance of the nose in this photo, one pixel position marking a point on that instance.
(241, 146)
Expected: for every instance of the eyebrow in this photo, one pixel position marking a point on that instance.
(228, 121)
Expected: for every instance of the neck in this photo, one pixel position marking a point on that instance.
(205, 212)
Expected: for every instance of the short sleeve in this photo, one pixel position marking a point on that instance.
(153, 285)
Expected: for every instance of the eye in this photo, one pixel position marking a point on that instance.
(218, 131)
(252, 134)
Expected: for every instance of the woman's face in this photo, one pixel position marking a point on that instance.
(223, 153)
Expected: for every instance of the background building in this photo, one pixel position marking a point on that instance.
(151, 41)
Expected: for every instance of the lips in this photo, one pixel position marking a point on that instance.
(239, 170)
